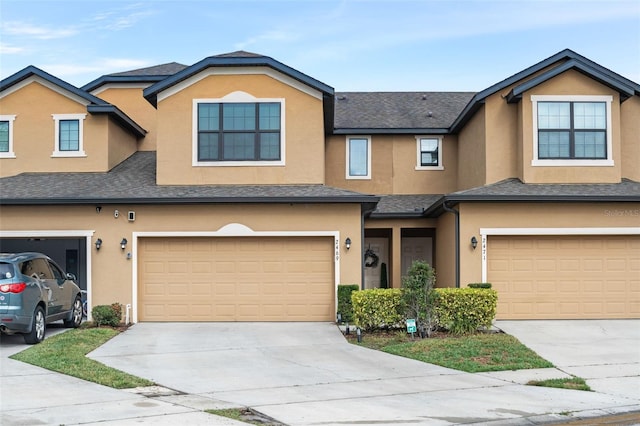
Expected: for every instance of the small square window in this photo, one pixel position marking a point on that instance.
(68, 135)
(429, 153)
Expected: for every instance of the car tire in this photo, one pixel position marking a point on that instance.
(38, 327)
(75, 316)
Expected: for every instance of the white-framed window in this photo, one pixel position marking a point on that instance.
(358, 157)
(572, 130)
(238, 130)
(69, 135)
(6, 136)
(429, 153)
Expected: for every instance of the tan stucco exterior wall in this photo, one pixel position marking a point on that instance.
(630, 138)
(104, 142)
(112, 271)
(303, 133)
(393, 166)
(130, 101)
(472, 167)
(474, 216)
(570, 83)
(446, 251)
(501, 127)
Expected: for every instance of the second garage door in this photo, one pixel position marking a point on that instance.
(565, 277)
(236, 279)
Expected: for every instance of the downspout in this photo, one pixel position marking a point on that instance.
(362, 214)
(457, 238)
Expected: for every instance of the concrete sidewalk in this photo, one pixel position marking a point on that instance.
(304, 374)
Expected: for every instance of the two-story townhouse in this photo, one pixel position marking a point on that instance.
(254, 189)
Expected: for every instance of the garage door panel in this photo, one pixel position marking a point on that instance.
(236, 279)
(571, 276)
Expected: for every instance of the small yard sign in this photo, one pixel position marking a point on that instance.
(411, 326)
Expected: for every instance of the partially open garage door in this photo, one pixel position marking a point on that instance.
(565, 277)
(236, 279)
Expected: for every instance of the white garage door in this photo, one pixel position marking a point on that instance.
(572, 277)
(236, 279)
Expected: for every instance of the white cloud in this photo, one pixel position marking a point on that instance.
(7, 49)
(24, 29)
(268, 36)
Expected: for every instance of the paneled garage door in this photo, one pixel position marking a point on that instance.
(236, 279)
(557, 277)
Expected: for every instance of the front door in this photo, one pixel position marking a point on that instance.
(376, 254)
(416, 248)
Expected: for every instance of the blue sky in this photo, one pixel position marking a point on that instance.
(436, 45)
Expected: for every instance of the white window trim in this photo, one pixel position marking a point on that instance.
(486, 232)
(347, 157)
(571, 163)
(237, 97)
(10, 153)
(419, 165)
(56, 148)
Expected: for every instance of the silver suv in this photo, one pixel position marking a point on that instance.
(34, 291)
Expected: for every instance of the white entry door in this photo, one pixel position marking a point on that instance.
(380, 247)
(416, 248)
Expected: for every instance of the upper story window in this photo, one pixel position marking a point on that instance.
(68, 135)
(429, 151)
(6, 136)
(358, 157)
(572, 131)
(238, 133)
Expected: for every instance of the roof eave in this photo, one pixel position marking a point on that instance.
(390, 131)
(120, 117)
(109, 79)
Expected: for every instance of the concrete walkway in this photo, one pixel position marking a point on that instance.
(307, 374)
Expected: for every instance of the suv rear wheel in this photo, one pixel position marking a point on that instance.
(38, 327)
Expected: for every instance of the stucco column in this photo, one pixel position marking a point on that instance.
(396, 258)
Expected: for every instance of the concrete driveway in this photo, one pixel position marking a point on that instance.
(305, 373)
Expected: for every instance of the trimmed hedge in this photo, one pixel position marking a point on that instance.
(377, 308)
(479, 285)
(464, 310)
(107, 314)
(345, 307)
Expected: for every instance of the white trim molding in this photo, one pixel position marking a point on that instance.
(419, 165)
(238, 97)
(348, 158)
(56, 148)
(10, 153)
(231, 230)
(571, 162)
(486, 232)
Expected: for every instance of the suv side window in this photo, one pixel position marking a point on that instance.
(38, 268)
(57, 273)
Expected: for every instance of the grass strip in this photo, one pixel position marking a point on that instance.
(66, 353)
(471, 353)
(575, 383)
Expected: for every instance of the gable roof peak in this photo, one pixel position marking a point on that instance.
(239, 54)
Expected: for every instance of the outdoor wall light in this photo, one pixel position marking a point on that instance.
(123, 243)
(474, 242)
(347, 243)
(98, 243)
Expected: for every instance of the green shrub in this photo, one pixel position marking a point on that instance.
(479, 285)
(418, 295)
(464, 310)
(107, 315)
(345, 307)
(377, 308)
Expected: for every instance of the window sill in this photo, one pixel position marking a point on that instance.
(429, 168)
(572, 163)
(61, 154)
(358, 177)
(7, 155)
(278, 163)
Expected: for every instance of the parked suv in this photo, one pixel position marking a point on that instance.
(34, 291)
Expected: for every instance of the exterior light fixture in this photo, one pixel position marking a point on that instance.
(98, 243)
(474, 242)
(123, 243)
(347, 243)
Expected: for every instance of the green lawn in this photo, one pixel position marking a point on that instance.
(66, 353)
(471, 353)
